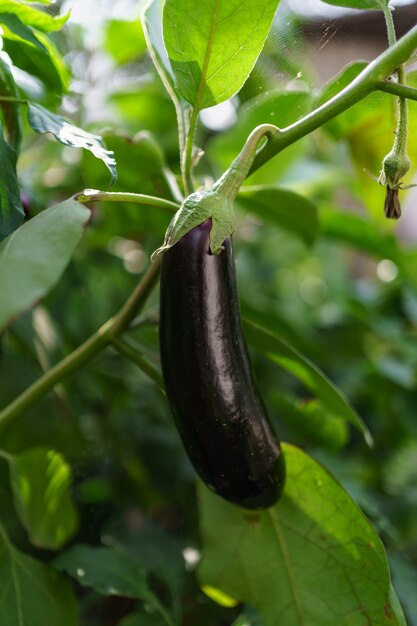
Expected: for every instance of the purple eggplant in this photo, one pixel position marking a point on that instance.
(208, 376)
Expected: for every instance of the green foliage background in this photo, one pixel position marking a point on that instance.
(337, 282)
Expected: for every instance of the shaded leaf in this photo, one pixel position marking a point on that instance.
(40, 480)
(279, 351)
(11, 211)
(33, 258)
(311, 559)
(46, 64)
(10, 110)
(32, 593)
(213, 55)
(105, 570)
(143, 619)
(44, 121)
(282, 207)
(364, 234)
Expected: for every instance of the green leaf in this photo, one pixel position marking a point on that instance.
(287, 209)
(311, 559)
(40, 480)
(13, 28)
(212, 53)
(279, 351)
(33, 17)
(152, 30)
(124, 40)
(10, 110)
(309, 421)
(44, 121)
(143, 619)
(106, 570)
(31, 593)
(46, 64)
(364, 234)
(11, 211)
(33, 258)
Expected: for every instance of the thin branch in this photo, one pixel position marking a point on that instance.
(87, 351)
(93, 195)
(397, 90)
(131, 352)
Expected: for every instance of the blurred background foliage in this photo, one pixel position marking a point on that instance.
(347, 299)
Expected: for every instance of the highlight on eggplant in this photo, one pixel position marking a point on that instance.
(208, 375)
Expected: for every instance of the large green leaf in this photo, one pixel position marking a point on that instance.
(279, 351)
(44, 121)
(282, 207)
(31, 593)
(33, 258)
(40, 481)
(33, 17)
(212, 53)
(313, 559)
(11, 211)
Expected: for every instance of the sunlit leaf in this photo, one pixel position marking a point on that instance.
(213, 55)
(33, 258)
(33, 17)
(11, 211)
(152, 30)
(13, 28)
(44, 121)
(311, 559)
(32, 593)
(281, 352)
(287, 209)
(40, 481)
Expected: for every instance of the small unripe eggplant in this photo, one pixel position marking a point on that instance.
(208, 376)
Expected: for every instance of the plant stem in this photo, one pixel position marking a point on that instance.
(389, 22)
(15, 100)
(84, 353)
(131, 352)
(93, 195)
(187, 157)
(397, 90)
(366, 82)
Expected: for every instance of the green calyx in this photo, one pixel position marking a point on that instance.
(394, 168)
(216, 203)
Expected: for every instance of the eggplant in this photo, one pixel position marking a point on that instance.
(208, 376)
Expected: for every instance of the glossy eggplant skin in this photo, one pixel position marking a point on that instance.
(208, 376)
